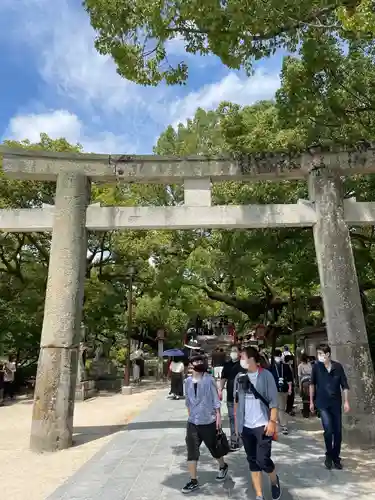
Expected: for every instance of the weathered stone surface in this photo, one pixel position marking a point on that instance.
(182, 217)
(57, 367)
(162, 169)
(85, 390)
(197, 192)
(52, 424)
(301, 214)
(126, 390)
(345, 322)
(341, 298)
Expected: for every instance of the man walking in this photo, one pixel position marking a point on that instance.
(255, 395)
(284, 382)
(328, 381)
(230, 371)
(203, 405)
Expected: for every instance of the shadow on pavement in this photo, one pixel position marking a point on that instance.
(85, 434)
(158, 424)
(161, 424)
(82, 435)
(299, 462)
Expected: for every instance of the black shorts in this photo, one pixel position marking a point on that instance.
(195, 435)
(258, 449)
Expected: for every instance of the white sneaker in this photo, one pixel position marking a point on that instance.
(222, 474)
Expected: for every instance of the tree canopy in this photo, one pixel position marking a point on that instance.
(329, 91)
(267, 270)
(24, 265)
(249, 275)
(138, 33)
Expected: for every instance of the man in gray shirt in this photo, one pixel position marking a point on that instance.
(203, 405)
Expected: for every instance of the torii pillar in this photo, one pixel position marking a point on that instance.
(340, 292)
(52, 424)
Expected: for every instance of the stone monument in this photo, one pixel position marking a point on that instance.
(85, 388)
(326, 212)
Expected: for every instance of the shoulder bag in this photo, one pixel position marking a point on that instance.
(257, 395)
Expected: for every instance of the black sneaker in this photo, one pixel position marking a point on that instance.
(192, 485)
(222, 474)
(328, 463)
(337, 464)
(284, 431)
(276, 490)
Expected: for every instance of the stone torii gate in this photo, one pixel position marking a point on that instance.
(326, 212)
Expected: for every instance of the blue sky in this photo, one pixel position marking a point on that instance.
(52, 80)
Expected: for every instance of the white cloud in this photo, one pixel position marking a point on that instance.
(233, 88)
(60, 34)
(56, 124)
(62, 123)
(59, 40)
(62, 38)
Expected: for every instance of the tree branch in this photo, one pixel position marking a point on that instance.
(260, 37)
(10, 269)
(43, 252)
(362, 237)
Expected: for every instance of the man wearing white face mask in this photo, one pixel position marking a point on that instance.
(256, 400)
(328, 381)
(203, 405)
(230, 371)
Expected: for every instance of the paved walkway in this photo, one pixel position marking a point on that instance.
(26, 475)
(147, 462)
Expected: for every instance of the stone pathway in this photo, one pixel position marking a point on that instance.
(147, 462)
(26, 475)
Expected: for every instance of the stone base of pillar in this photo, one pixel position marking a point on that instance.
(359, 423)
(359, 431)
(85, 390)
(52, 423)
(126, 390)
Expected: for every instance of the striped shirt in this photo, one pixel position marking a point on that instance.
(203, 403)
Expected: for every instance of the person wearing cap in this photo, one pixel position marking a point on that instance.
(204, 420)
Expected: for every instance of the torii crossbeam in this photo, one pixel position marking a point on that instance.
(326, 212)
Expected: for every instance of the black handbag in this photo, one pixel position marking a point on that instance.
(222, 444)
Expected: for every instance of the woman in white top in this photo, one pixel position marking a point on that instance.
(177, 369)
(304, 377)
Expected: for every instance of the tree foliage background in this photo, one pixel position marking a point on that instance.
(326, 95)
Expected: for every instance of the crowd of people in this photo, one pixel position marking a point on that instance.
(260, 393)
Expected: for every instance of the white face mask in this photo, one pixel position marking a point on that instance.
(234, 356)
(244, 364)
(321, 358)
(277, 359)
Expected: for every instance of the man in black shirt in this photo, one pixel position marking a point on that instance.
(283, 376)
(328, 380)
(229, 373)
